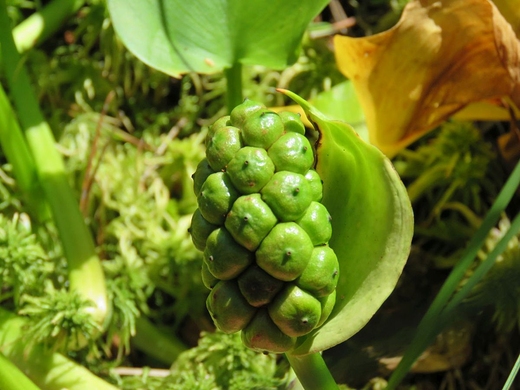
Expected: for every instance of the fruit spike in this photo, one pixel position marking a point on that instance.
(263, 232)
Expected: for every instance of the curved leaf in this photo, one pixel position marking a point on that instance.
(372, 224)
(207, 36)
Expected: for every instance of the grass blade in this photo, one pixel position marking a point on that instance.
(429, 325)
(512, 375)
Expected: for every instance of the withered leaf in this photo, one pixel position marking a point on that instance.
(441, 56)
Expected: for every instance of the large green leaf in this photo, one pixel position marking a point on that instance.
(207, 36)
(372, 224)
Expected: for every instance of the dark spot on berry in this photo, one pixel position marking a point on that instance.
(288, 253)
(305, 321)
(335, 273)
(265, 353)
(246, 219)
(211, 258)
(296, 190)
(246, 162)
(305, 148)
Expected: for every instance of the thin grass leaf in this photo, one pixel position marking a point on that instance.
(512, 375)
(427, 328)
(482, 269)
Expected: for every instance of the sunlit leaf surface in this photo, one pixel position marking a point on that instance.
(207, 36)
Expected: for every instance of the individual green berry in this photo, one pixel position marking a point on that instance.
(219, 123)
(240, 113)
(292, 122)
(285, 252)
(225, 258)
(207, 277)
(321, 275)
(315, 183)
(250, 169)
(257, 286)
(228, 308)
(216, 197)
(200, 230)
(295, 311)
(262, 335)
(317, 223)
(201, 174)
(249, 221)
(222, 146)
(288, 195)
(262, 129)
(327, 305)
(292, 152)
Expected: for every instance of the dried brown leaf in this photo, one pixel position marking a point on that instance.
(440, 57)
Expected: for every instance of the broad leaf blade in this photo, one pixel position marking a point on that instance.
(372, 223)
(207, 36)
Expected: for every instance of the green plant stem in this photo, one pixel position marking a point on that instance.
(44, 23)
(85, 272)
(20, 158)
(47, 369)
(155, 343)
(11, 378)
(431, 323)
(312, 372)
(234, 95)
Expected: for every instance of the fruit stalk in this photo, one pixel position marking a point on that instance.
(312, 372)
(234, 85)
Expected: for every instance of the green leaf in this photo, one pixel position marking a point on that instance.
(372, 227)
(207, 36)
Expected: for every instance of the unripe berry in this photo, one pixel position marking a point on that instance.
(223, 146)
(288, 194)
(262, 129)
(250, 220)
(292, 122)
(250, 169)
(292, 152)
(216, 197)
(228, 307)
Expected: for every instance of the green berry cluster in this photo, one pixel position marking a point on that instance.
(263, 230)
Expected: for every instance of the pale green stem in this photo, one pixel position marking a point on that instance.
(312, 372)
(234, 95)
(11, 378)
(155, 343)
(85, 272)
(44, 23)
(48, 370)
(17, 152)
